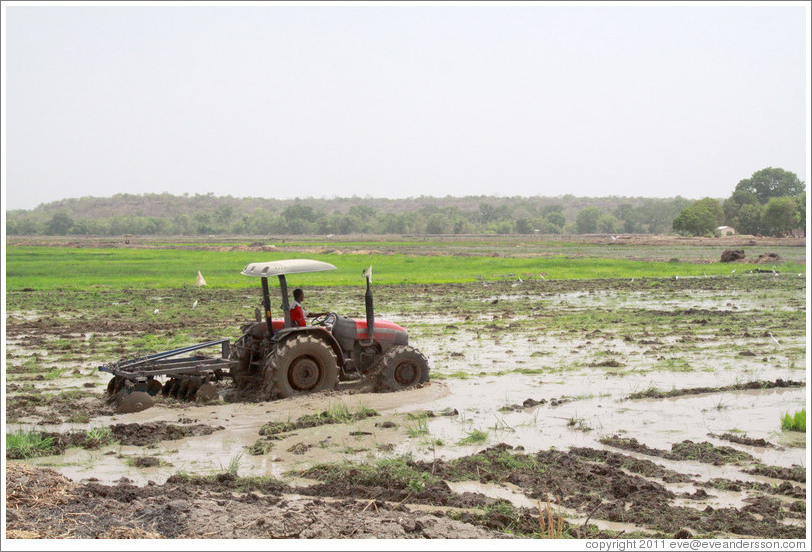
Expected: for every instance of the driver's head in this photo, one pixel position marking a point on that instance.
(298, 295)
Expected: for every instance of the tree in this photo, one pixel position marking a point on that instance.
(437, 224)
(629, 216)
(800, 201)
(587, 220)
(59, 225)
(780, 215)
(487, 213)
(772, 182)
(524, 226)
(608, 224)
(749, 220)
(732, 205)
(556, 218)
(701, 218)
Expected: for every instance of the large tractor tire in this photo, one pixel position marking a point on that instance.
(401, 367)
(248, 381)
(241, 353)
(302, 364)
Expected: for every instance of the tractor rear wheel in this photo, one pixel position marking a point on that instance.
(401, 367)
(302, 364)
(240, 356)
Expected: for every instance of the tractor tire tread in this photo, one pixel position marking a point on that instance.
(277, 381)
(386, 369)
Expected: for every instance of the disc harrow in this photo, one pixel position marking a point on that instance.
(135, 383)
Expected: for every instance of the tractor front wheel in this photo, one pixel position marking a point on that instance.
(302, 364)
(401, 367)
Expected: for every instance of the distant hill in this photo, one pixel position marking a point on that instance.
(166, 214)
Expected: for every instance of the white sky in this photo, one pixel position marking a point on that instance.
(652, 100)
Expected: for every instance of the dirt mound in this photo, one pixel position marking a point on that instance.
(732, 255)
(768, 258)
(744, 440)
(704, 452)
(153, 432)
(796, 473)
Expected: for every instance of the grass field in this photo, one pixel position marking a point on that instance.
(81, 268)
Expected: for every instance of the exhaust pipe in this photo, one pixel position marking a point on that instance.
(370, 310)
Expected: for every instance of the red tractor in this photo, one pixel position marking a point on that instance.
(275, 358)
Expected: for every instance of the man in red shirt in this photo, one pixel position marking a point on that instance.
(297, 313)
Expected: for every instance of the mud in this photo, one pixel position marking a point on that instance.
(657, 394)
(42, 504)
(744, 440)
(795, 473)
(141, 435)
(785, 488)
(314, 420)
(55, 409)
(553, 366)
(590, 486)
(153, 432)
(709, 453)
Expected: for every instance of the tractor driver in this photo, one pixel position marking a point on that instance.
(297, 311)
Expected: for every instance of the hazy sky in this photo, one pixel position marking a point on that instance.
(392, 100)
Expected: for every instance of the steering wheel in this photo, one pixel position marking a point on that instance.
(321, 320)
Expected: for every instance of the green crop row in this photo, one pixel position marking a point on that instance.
(82, 268)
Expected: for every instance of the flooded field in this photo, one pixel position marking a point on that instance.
(634, 407)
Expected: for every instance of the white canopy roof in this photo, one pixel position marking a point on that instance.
(292, 266)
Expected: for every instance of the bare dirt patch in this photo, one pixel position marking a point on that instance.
(43, 504)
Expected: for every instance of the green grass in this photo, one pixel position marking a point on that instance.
(420, 428)
(336, 413)
(234, 464)
(394, 472)
(474, 437)
(82, 268)
(28, 444)
(794, 422)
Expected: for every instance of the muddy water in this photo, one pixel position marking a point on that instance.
(506, 357)
(215, 452)
(580, 422)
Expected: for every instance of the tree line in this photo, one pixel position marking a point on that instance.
(206, 214)
(772, 202)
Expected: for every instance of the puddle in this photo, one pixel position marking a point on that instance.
(215, 452)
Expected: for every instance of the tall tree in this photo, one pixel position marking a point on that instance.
(734, 204)
(587, 220)
(59, 225)
(749, 220)
(772, 182)
(780, 215)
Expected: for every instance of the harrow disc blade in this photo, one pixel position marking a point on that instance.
(171, 387)
(154, 387)
(207, 393)
(181, 390)
(115, 385)
(133, 402)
